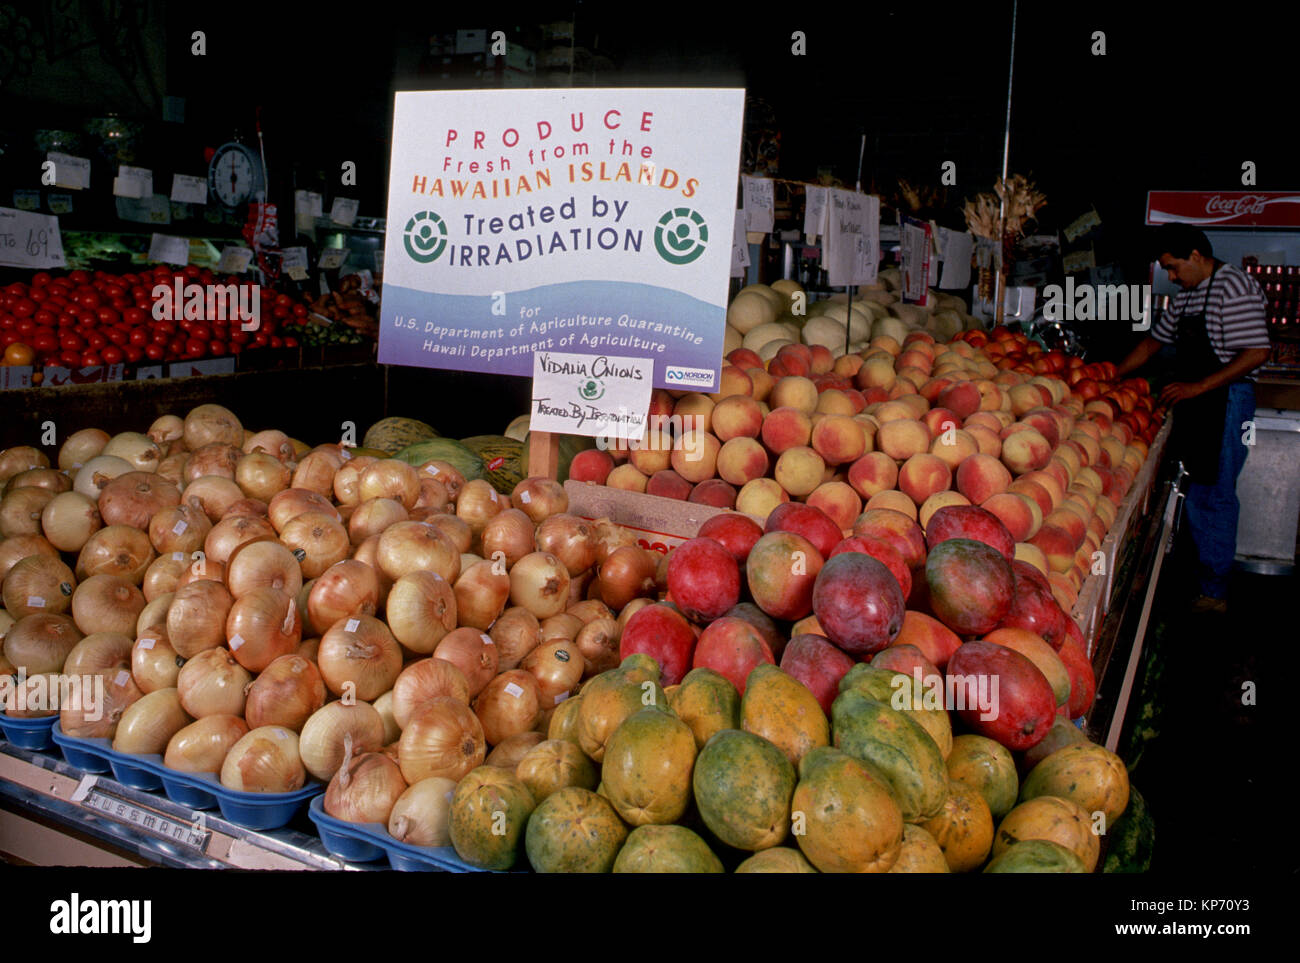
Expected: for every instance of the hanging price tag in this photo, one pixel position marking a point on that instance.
(234, 260)
(166, 249)
(344, 210)
(60, 203)
(293, 261)
(739, 247)
(189, 190)
(307, 203)
(134, 182)
(760, 204)
(27, 200)
(814, 212)
(30, 240)
(332, 258)
(69, 171)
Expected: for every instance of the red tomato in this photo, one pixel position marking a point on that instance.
(176, 347)
(106, 316)
(7, 322)
(117, 336)
(280, 312)
(240, 337)
(291, 342)
(90, 359)
(135, 316)
(138, 336)
(277, 341)
(161, 337)
(40, 279)
(133, 353)
(70, 359)
(200, 331)
(71, 342)
(260, 339)
(114, 290)
(121, 303)
(43, 343)
(153, 352)
(300, 311)
(38, 294)
(86, 317)
(90, 300)
(217, 347)
(44, 318)
(195, 348)
(236, 348)
(17, 289)
(25, 326)
(24, 307)
(191, 271)
(166, 327)
(113, 355)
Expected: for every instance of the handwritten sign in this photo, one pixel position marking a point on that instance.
(153, 209)
(814, 212)
(293, 261)
(955, 249)
(344, 210)
(189, 190)
(30, 240)
(332, 258)
(70, 171)
(165, 249)
(595, 395)
(760, 204)
(133, 182)
(852, 245)
(307, 203)
(234, 260)
(916, 256)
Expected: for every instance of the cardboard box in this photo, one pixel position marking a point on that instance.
(82, 376)
(658, 523)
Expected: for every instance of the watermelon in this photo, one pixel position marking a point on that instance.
(463, 459)
(393, 434)
(502, 459)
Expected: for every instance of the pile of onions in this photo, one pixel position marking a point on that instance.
(421, 609)
(196, 619)
(315, 473)
(598, 643)
(346, 588)
(324, 734)
(317, 540)
(98, 472)
(116, 550)
(540, 498)
(373, 516)
(135, 497)
(47, 478)
(20, 458)
(455, 529)
(444, 739)
(516, 633)
(208, 424)
(433, 495)
(510, 751)
(262, 565)
(264, 760)
(477, 504)
(81, 446)
(590, 610)
(512, 534)
(392, 731)
(292, 502)
(444, 473)
(14, 550)
(417, 547)
(471, 651)
(558, 667)
(563, 627)
(34, 698)
(69, 519)
(202, 746)
(173, 468)
(347, 480)
(423, 681)
(166, 429)
(609, 538)
(149, 723)
(247, 506)
(154, 613)
(421, 814)
(40, 643)
(154, 663)
(481, 594)
(214, 494)
(232, 532)
(570, 539)
(140, 450)
(99, 721)
(38, 583)
(270, 442)
(162, 577)
(365, 789)
(389, 478)
(508, 705)
(359, 654)
(179, 528)
(20, 511)
(218, 460)
(286, 693)
(212, 684)
(106, 603)
(263, 625)
(202, 568)
(628, 573)
(98, 653)
(262, 476)
(540, 583)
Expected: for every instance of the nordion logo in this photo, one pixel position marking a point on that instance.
(681, 235)
(425, 237)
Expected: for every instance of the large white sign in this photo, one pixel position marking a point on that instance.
(30, 240)
(582, 221)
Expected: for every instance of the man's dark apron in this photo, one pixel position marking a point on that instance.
(1197, 436)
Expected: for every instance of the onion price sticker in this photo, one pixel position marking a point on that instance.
(590, 222)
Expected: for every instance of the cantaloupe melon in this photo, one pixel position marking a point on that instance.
(756, 337)
(890, 327)
(749, 310)
(824, 331)
(769, 350)
(777, 301)
(731, 340)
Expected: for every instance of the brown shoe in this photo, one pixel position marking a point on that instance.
(1208, 603)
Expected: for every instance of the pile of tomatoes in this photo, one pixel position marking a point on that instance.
(82, 319)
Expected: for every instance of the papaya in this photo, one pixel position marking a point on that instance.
(1063, 733)
(1055, 819)
(963, 829)
(553, 765)
(778, 859)
(743, 785)
(611, 697)
(706, 702)
(574, 831)
(393, 434)
(899, 747)
(564, 723)
(1036, 856)
(1085, 773)
(783, 711)
(666, 849)
(647, 768)
(489, 811)
(844, 820)
(897, 690)
(919, 853)
(987, 767)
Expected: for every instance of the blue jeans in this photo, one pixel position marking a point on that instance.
(1212, 509)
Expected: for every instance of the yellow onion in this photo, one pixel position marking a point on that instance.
(47, 478)
(308, 649)
(36, 696)
(392, 731)
(358, 655)
(365, 789)
(166, 429)
(373, 516)
(540, 583)
(106, 603)
(471, 651)
(347, 480)
(69, 519)
(540, 498)
(179, 528)
(510, 533)
(163, 575)
(469, 558)
(172, 467)
(38, 583)
(346, 588)
(201, 569)
(597, 642)
(570, 539)
(456, 529)
(140, 450)
(263, 624)
(40, 643)
(209, 424)
(443, 472)
(315, 473)
(368, 554)
(270, 442)
(580, 587)
(389, 478)
(317, 540)
(214, 494)
(444, 739)
(423, 681)
(287, 505)
(508, 705)
(115, 550)
(590, 611)
(134, 498)
(217, 460)
(264, 760)
(510, 751)
(516, 633)
(336, 453)
(98, 653)
(202, 746)
(609, 538)
(149, 723)
(481, 594)
(415, 546)
(196, 619)
(98, 718)
(421, 609)
(420, 815)
(154, 663)
(232, 532)
(628, 573)
(433, 495)
(562, 627)
(477, 504)
(558, 668)
(262, 476)
(212, 684)
(98, 472)
(247, 506)
(20, 511)
(324, 735)
(20, 458)
(13, 550)
(262, 565)
(154, 613)
(81, 446)
(286, 693)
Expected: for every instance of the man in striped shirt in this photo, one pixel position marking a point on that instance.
(1232, 307)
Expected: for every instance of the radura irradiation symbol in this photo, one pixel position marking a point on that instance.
(681, 236)
(425, 237)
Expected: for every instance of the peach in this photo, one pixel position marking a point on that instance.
(668, 484)
(923, 475)
(1071, 523)
(833, 401)
(745, 359)
(1057, 471)
(1114, 450)
(591, 465)
(884, 342)
(933, 388)
(1032, 555)
(714, 492)
(627, 478)
(741, 460)
(654, 452)
(1097, 528)
(1026, 397)
(732, 381)
(1025, 451)
(839, 439)
(822, 359)
(954, 447)
(1057, 545)
(759, 496)
(1069, 456)
(1045, 423)
(903, 438)
(980, 477)
(799, 471)
(1048, 481)
(695, 410)
(695, 456)
(763, 382)
(839, 501)
(903, 388)
(873, 473)
(918, 405)
(1061, 467)
(914, 377)
(939, 420)
(876, 372)
(1017, 512)
(661, 403)
(1106, 511)
(893, 411)
(914, 358)
(984, 419)
(737, 416)
(1066, 594)
(847, 365)
(795, 392)
(895, 501)
(989, 441)
(786, 428)
(1035, 492)
(963, 398)
(991, 395)
(937, 501)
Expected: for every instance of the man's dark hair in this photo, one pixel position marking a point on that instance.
(1179, 240)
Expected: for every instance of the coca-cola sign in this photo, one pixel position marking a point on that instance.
(1225, 208)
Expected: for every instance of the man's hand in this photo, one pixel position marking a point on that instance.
(1180, 391)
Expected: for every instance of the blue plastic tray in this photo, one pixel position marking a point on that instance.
(367, 842)
(33, 734)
